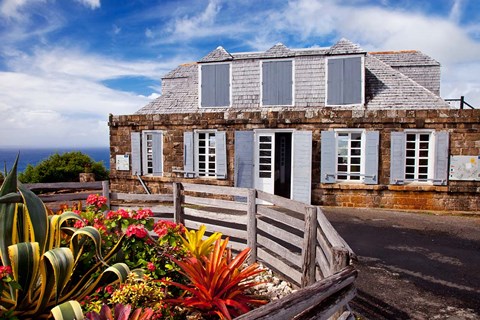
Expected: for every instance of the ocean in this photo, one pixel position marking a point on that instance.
(34, 156)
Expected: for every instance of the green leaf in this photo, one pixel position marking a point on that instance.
(25, 260)
(38, 216)
(70, 310)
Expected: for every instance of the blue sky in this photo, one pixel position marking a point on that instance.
(66, 64)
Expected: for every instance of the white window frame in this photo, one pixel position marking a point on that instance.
(206, 173)
(200, 84)
(362, 73)
(430, 158)
(145, 150)
(361, 174)
(261, 82)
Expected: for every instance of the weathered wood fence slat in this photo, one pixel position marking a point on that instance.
(294, 239)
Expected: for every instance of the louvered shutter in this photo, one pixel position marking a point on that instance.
(222, 85)
(397, 157)
(441, 158)
(157, 153)
(328, 157)
(277, 83)
(136, 153)
(335, 82)
(352, 80)
(221, 154)
(188, 154)
(371, 157)
(244, 159)
(302, 166)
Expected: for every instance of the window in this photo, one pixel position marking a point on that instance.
(215, 85)
(345, 80)
(147, 152)
(205, 154)
(419, 156)
(277, 83)
(349, 155)
(417, 161)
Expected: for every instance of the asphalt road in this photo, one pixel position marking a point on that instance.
(413, 265)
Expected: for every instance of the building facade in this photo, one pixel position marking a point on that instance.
(330, 126)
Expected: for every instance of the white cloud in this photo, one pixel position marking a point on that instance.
(55, 97)
(116, 29)
(149, 33)
(11, 9)
(93, 4)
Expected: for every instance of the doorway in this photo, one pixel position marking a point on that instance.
(274, 163)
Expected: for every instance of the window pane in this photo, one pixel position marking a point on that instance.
(355, 161)
(355, 169)
(410, 153)
(264, 174)
(356, 136)
(423, 170)
(342, 168)
(411, 137)
(424, 137)
(410, 162)
(265, 153)
(265, 167)
(424, 154)
(410, 169)
(424, 145)
(356, 144)
(356, 152)
(265, 139)
(265, 160)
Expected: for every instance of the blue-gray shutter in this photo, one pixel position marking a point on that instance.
(157, 153)
(302, 166)
(352, 80)
(208, 85)
(215, 85)
(277, 83)
(221, 154)
(136, 153)
(328, 154)
(222, 85)
(397, 157)
(441, 158)
(335, 82)
(188, 154)
(244, 159)
(371, 157)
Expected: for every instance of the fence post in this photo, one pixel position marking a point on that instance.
(252, 225)
(341, 259)
(178, 216)
(106, 191)
(309, 247)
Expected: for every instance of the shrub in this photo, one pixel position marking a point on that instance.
(64, 167)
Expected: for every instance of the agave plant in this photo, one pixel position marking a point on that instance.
(30, 243)
(218, 282)
(196, 245)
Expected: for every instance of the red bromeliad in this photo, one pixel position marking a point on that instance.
(218, 282)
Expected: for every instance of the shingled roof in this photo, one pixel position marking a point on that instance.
(387, 85)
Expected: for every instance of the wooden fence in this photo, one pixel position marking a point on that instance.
(293, 239)
(56, 194)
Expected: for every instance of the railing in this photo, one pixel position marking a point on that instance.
(462, 102)
(295, 240)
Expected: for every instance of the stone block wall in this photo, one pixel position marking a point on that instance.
(463, 126)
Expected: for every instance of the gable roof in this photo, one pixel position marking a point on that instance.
(386, 85)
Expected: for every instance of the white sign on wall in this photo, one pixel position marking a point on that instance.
(465, 168)
(122, 162)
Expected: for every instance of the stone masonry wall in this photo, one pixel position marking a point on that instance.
(463, 125)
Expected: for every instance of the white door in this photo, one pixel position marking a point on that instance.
(264, 162)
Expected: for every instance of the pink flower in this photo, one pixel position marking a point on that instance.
(92, 199)
(101, 201)
(79, 224)
(151, 266)
(143, 214)
(124, 214)
(109, 289)
(138, 231)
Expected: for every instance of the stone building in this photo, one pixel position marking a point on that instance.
(333, 126)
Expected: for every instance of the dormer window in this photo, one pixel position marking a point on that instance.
(345, 80)
(277, 83)
(215, 85)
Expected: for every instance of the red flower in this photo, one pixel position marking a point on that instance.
(92, 199)
(109, 289)
(151, 266)
(123, 213)
(138, 231)
(143, 214)
(79, 224)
